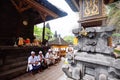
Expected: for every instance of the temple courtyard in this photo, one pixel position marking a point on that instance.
(53, 73)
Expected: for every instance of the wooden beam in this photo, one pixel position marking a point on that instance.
(20, 4)
(16, 6)
(43, 16)
(111, 1)
(108, 1)
(39, 7)
(25, 8)
(20, 7)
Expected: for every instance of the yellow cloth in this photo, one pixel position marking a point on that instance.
(66, 61)
(75, 41)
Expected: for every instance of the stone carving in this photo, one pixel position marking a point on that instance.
(94, 59)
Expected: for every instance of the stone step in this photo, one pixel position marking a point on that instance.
(12, 73)
(14, 60)
(16, 55)
(12, 66)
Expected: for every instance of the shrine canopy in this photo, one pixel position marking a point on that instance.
(58, 41)
(74, 4)
(60, 45)
(92, 13)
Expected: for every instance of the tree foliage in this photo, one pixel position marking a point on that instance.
(69, 39)
(114, 19)
(114, 16)
(38, 33)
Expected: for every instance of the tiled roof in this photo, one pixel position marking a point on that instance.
(53, 8)
(72, 5)
(58, 41)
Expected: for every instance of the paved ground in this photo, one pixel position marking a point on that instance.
(54, 73)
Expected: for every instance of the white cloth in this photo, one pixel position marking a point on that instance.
(49, 58)
(39, 58)
(55, 56)
(32, 60)
(47, 55)
(48, 61)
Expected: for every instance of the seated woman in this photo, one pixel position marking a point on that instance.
(33, 63)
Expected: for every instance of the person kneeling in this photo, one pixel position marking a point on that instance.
(42, 60)
(33, 63)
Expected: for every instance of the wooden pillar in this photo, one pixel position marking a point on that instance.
(110, 41)
(43, 16)
(109, 1)
(43, 33)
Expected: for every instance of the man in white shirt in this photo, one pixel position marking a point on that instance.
(56, 56)
(49, 57)
(42, 60)
(33, 63)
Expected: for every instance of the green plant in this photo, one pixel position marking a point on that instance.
(39, 31)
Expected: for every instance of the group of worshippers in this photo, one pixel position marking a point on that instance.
(39, 62)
